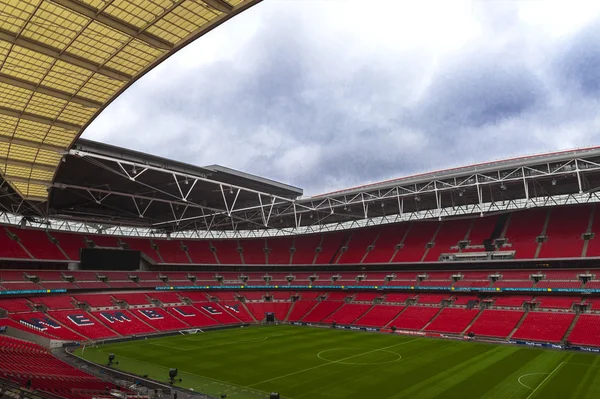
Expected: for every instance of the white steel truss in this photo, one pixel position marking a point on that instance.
(463, 210)
(273, 215)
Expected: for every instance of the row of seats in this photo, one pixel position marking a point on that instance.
(70, 302)
(419, 241)
(21, 279)
(27, 363)
(505, 319)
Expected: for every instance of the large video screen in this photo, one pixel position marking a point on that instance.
(109, 259)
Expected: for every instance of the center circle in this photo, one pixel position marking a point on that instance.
(358, 356)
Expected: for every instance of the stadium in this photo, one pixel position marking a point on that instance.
(129, 275)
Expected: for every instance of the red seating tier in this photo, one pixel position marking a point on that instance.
(160, 319)
(321, 311)
(123, 322)
(259, 309)
(348, 313)
(331, 247)
(449, 234)
(227, 252)
(24, 361)
(279, 250)
(557, 302)
(413, 248)
(192, 316)
(15, 305)
(379, 316)
(523, 228)
(511, 301)
(452, 320)
(83, 323)
(586, 331)
(306, 247)
(544, 326)
(38, 320)
(414, 317)
(564, 230)
(397, 297)
(200, 252)
(496, 323)
(482, 229)
(70, 243)
(300, 308)
(55, 302)
(254, 252)
(133, 298)
(11, 248)
(357, 246)
(385, 245)
(367, 296)
(172, 252)
(38, 244)
(96, 301)
(431, 298)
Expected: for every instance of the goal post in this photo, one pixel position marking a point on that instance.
(191, 331)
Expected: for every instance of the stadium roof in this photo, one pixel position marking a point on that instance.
(103, 187)
(63, 61)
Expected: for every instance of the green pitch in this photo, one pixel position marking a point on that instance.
(303, 362)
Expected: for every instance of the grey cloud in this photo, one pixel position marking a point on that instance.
(291, 108)
(579, 61)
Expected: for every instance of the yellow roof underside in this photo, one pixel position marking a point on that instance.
(62, 61)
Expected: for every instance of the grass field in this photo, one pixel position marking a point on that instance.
(304, 362)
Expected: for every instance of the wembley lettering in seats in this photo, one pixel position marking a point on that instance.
(211, 310)
(233, 308)
(41, 324)
(183, 312)
(111, 317)
(80, 320)
(151, 314)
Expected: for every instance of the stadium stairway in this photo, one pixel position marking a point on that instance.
(357, 321)
(432, 319)
(249, 312)
(395, 317)
(571, 327)
(312, 309)
(290, 310)
(463, 332)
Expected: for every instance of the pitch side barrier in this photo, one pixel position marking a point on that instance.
(535, 344)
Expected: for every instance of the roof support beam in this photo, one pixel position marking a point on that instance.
(34, 144)
(48, 91)
(39, 119)
(25, 164)
(42, 48)
(220, 5)
(115, 23)
(19, 179)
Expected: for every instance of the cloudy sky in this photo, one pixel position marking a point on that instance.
(329, 94)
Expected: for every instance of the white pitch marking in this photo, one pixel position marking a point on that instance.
(332, 362)
(359, 364)
(545, 379)
(209, 346)
(525, 375)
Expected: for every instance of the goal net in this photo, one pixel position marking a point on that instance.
(192, 331)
